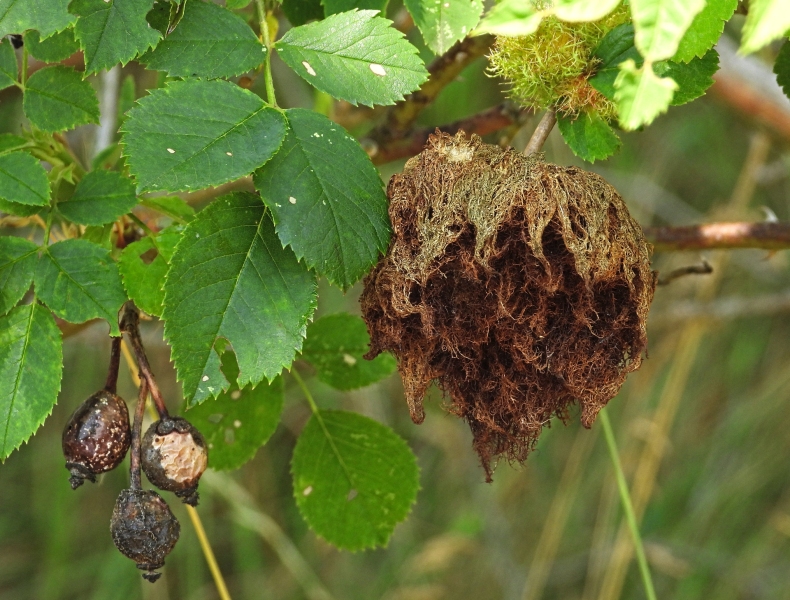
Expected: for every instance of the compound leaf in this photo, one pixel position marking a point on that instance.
(589, 136)
(705, 29)
(641, 95)
(210, 41)
(782, 68)
(444, 23)
(113, 31)
(332, 211)
(766, 21)
(194, 134)
(231, 278)
(57, 98)
(100, 197)
(31, 363)
(335, 346)
(239, 421)
(143, 266)
(660, 25)
(9, 70)
(47, 16)
(17, 266)
(23, 180)
(354, 479)
(354, 56)
(79, 281)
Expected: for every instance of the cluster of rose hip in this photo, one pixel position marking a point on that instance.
(172, 453)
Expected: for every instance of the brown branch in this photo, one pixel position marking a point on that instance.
(768, 236)
(137, 428)
(702, 269)
(442, 71)
(115, 360)
(542, 131)
(490, 120)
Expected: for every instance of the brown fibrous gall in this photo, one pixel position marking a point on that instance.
(520, 287)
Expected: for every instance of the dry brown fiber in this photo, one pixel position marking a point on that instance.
(520, 287)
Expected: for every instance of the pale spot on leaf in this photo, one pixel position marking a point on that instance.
(309, 69)
(205, 377)
(351, 495)
(308, 490)
(235, 394)
(171, 151)
(349, 360)
(229, 153)
(377, 69)
(292, 200)
(237, 423)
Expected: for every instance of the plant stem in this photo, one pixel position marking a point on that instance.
(115, 360)
(131, 325)
(137, 427)
(219, 581)
(628, 509)
(267, 65)
(542, 132)
(23, 73)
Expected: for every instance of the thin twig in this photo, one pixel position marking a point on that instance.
(267, 65)
(488, 121)
(443, 71)
(208, 552)
(542, 131)
(111, 385)
(131, 325)
(702, 269)
(628, 508)
(768, 236)
(137, 427)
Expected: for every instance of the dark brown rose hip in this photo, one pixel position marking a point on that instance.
(97, 437)
(174, 457)
(144, 529)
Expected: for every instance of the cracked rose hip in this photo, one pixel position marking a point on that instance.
(174, 456)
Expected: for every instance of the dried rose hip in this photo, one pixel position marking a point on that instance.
(174, 457)
(97, 437)
(144, 529)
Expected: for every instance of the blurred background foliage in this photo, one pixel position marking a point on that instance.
(703, 427)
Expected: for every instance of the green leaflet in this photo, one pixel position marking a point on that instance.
(705, 29)
(113, 31)
(511, 18)
(230, 278)
(333, 213)
(193, 134)
(9, 70)
(143, 266)
(767, 20)
(171, 206)
(641, 95)
(79, 281)
(23, 180)
(57, 99)
(589, 136)
(100, 197)
(300, 12)
(782, 68)
(354, 56)
(47, 16)
(693, 78)
(332, 7)
(31, 363)
(444, 23)
(335, 346)
(53, 49)
(660, 24)
(354, 479)
(578, 11)
(17, 265)
(9, 142)
(210, 41)
(238, 422)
